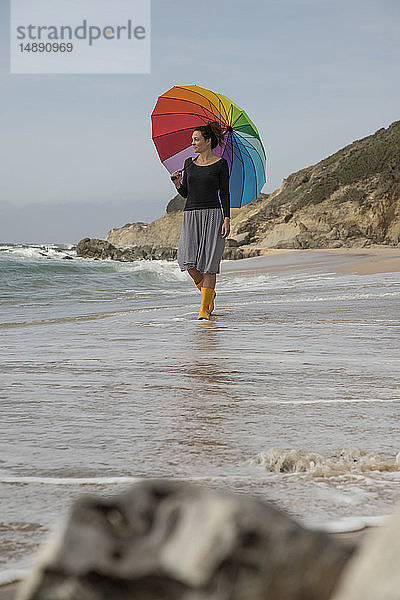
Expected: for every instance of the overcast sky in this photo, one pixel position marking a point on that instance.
(76, 152)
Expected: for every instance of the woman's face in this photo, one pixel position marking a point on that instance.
(199, 143)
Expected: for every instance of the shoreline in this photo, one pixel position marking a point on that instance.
(358, 261)
(353, 260)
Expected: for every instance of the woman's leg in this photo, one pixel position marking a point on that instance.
(209, 280)
(196, 275)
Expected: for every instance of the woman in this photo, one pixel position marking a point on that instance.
(206, 219)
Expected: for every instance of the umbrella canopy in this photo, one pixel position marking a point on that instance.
(183, 108)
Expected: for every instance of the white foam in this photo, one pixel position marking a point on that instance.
(306, 287)
(309, 299)
(163, 269)
(12, 575)
(111, 480)
(349, 524)
(281, 281)
(343, 461)
(39, 251)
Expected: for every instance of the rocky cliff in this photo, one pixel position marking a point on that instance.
(351, 198)
(161, 232)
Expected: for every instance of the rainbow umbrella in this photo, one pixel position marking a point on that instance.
(183, 108)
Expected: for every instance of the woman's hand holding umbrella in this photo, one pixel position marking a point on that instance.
(176, 178)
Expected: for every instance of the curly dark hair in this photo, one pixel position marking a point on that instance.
(212, 130)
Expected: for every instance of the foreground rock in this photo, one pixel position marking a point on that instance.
(374, 573)
(165, 539)
(102, 249)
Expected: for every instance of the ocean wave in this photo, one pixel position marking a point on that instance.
(39, 256)
(345, 460)
(54, 251)
(163, 270)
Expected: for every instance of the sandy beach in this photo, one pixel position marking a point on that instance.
(360, 261)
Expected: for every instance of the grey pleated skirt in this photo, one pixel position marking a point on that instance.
(201, 244)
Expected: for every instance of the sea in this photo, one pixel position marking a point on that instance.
(290, 392)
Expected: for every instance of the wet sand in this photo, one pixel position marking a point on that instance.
(8, 592)
(382, 260)
(359, 261)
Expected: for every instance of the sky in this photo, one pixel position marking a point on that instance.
(76, 152)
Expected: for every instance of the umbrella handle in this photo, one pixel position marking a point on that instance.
(183, 169)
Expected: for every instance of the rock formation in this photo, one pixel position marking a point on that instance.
(164, 231)
(101, 250)
(350, 199)
(177, 204)
(169, 540)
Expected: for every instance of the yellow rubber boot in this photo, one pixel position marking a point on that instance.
(207, 295)
(211, 305)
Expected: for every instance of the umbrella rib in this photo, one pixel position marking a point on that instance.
(204, 98)
(207, 99)
(219, 115)
(234, 142)
(203, 108)
(224, 111)
(249, 141)
(180, 100)
(168, 133)
(183, 114)
(252, 164)
(243, 149)
(175, 131)
(253, 126)
(239, 115)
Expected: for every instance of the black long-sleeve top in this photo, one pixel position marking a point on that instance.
(200, 185)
